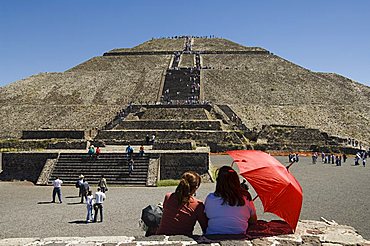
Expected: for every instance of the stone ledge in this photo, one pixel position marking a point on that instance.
(308, 232)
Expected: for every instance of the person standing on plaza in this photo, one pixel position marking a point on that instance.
(364, 156)
(98, 206)
(57, 183)
(85, 187)
(103, 184)
(89, 206)
(79, 184)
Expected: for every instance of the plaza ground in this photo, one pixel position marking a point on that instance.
(335, 193)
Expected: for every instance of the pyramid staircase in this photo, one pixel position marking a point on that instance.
(114, 167)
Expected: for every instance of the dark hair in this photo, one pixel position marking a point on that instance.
(228, 187)
(189, 182)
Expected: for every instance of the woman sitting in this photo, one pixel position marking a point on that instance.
(181, 210)
(229, 209)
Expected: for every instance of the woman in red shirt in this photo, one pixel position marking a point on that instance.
(181, 210)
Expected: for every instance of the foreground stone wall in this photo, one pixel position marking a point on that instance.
(309, 232)
(173, 165)
(24, 166)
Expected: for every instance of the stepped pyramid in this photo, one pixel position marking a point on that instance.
(249, 86)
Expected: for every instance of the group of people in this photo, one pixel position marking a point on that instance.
(293, 157)
(361, 155)
(228, 210)
(330, 158)
(93, 202)
(93, 152)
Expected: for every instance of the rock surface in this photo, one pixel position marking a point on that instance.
(308, 232)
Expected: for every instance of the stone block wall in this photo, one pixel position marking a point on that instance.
(181, 145)
(171, 124)
(24, 166)
(292, 134)
(48, 134)
(211, 138)
(173, 165)
(31, 144)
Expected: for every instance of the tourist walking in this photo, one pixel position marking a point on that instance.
(91, 151)
(129, 151)
(98, 206)
(89, 206)
(141, 152)
(97, 152)
(130, 166)
(57, 183)
(364, 156)
(103, 184)
(314, 157)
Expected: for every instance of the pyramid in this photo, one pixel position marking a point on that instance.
(259, 88)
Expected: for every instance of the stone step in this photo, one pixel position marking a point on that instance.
(112, 182)
(97, 172)
(98, 175)
(114, 166)
(66, 161)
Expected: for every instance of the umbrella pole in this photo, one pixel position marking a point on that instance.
(255, 197)
(232, 163)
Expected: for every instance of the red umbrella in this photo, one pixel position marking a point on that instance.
(278, 190)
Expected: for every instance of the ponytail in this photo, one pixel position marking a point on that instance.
(189, 182)
(183, 192)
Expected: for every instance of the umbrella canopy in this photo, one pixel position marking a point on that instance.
(151, 215)
(278, 190)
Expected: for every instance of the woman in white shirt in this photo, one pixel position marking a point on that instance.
(229, 209)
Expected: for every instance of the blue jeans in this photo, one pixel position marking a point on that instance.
(59, 192)
(89, 213)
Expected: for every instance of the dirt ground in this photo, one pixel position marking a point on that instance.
(335, 193)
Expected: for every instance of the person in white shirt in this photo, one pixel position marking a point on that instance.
(57, 183)
(89, 206)
(230, 208)
(99, 200)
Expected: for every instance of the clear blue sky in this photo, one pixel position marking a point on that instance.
(54, 35)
